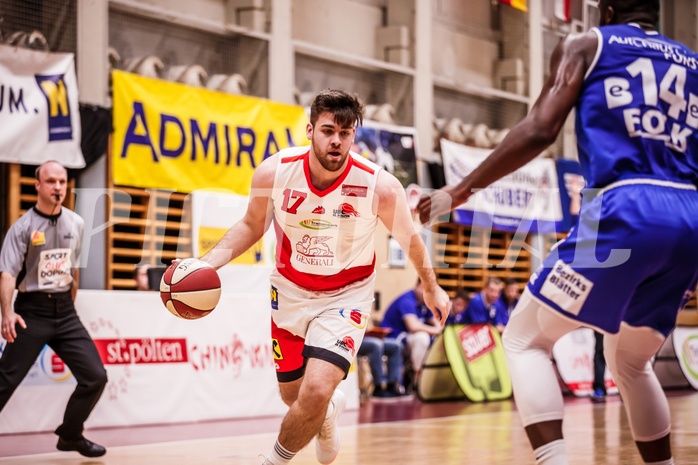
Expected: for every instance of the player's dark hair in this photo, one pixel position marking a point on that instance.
(462, 294)
(646, 8)
(510, 281)
(347, 109)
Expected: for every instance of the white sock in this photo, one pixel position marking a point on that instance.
(552, 453)
(279, 455)
(663, 462)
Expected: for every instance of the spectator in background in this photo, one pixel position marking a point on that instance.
(385, 384)
(459, 304)
(510, 295)
(484, 307)
(148, 277)
(140, 275)
(410, 321)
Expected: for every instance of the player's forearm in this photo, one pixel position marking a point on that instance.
(417, 253)
(234, 243)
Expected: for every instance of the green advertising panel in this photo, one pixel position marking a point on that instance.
(466, 361)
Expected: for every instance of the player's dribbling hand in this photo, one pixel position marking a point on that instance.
(439, 304)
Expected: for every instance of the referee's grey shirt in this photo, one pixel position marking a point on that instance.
(47, 247)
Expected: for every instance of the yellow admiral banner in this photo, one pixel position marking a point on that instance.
(208, 237)
(172, 136)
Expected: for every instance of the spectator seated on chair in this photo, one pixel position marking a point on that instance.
(484, 306)
(459, 303)
(410, 322)
(375, 347)
(140, 275)
(510, 295)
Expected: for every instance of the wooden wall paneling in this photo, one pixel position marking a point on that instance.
(472, 255)
(150, 227)
(124, 248)
(13, 193)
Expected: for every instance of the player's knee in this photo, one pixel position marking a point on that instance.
(625, 367)
(317, 390)
(315, 397)
(628, 354)
(288, 398)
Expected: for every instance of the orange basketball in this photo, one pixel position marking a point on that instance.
(190, 288)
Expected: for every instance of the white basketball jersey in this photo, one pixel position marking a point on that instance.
(325, 239)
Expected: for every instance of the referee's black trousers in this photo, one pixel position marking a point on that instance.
(51, 320)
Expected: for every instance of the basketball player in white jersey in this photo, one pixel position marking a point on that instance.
(325, 203)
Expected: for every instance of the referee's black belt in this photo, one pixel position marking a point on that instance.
(38, 296)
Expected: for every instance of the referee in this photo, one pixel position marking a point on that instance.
(40, 257)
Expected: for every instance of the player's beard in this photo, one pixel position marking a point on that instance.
(328, 162)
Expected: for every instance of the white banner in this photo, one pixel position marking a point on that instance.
(39, 113)
(163, 369)
(686, 347)
(528, 195)
(574, 360)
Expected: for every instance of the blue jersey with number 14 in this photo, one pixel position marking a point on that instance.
(645, 86)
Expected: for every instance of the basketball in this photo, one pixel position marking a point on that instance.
(190, 288)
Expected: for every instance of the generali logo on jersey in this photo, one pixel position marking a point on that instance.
(135, 351)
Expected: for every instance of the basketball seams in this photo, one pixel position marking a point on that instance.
(186, 268)
(201, 279)
(184, 311)
(204, 300)
(190, 289)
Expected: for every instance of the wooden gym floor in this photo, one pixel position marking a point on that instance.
(381, 433)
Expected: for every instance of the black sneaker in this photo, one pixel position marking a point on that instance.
(82, 446)
(382, 393)
(396, 390)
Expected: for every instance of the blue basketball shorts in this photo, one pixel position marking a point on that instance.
(633, 258)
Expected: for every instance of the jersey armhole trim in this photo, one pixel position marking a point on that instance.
(599, 47)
